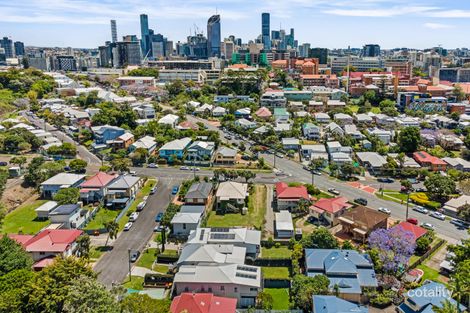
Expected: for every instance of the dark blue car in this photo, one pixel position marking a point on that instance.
(159, 217)
(174, 191)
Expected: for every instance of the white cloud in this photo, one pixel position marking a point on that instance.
(450, 14)
(380, 12)
(438, 26)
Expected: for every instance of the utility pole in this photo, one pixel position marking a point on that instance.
(130, 265)
(407, 204)
(313, 177)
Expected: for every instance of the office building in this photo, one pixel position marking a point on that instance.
(213, 36)
(127, 53)
(196, 47)
(265, 31)
(7, 44)
(65, 63)
(145, 34)
(455, 75)
(19, 48)
(319, 53)
(228, 48)
(371, 51)
(113, 31)
(338, 64)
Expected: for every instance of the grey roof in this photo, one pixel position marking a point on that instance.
(232, 190)
(124, 182)
(284, 221)
(186, 218)
(332, 304)
(373, 158)
(65, 209)
(63, 179)
(178, 144)
(212, 254)
(429, 295)
(225, 236)
(200, 190)
(186, 208)
(227, 152)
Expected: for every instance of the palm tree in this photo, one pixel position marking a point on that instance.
(112, 227)
(447, 307)
(83, 246)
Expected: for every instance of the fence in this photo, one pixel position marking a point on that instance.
(167, 259)
(276, 283)
(427, 254)
(270, 262)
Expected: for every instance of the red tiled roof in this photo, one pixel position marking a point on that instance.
(263, 112)
(101, 179)
(424, 157)
(21, 239)
(280, 62)
(283, 191)
(465, 87)
(416, 230)
(50, 240)
(332, 205)
(43, 263)
(202, 303)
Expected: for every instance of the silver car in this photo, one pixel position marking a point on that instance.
(420, 209)
(438, 215)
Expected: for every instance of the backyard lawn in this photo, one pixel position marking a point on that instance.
(136, 283)
(282, 252)
(254, 218)
(170, 252)
(429, 273)
(280, 297)
(147, 258)
(23, 219)
(102, 216)
(161, 268)
(275, 272)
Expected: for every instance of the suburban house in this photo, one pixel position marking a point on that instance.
(204, 109)
(426, 160)
(263, 113)
(145, 111)
(43, 211)
(284, 224)
(69, 216)
(287, 197)
(453, 206)
(321, 117)
(187, 219)
(291, 144)
(281, 115)
(246, 124)
(242, 282)
(243, 112)
(226, 156)
(47, 244)
(239, 237)
(170, 120)
(60, 181)
(363, 119)
(360, 221)
(231, 196)
(415, 230)
(311, 131)
(219, 111)
(147, 143)
(94, 189)
(333, 129)
(384, 135)
(106, 133)
(273, 100)
(200, 152)
(123, 142)
(174, 148)
(332, 304)
(351, 130)
(372, 161)
(211, 254)
(343, 119)
(185, 125)
(312, 152)
(330, 209)
(457, 164)
(349, 271)
(426, 297)
(198, 193)
(123, 190)
(202, 303)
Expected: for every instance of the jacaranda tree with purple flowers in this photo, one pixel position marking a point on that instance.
(394, 248)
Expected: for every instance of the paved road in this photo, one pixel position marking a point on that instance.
(114, 266)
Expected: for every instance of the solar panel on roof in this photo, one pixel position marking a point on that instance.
(201, 237)
(222, 236)
(245, 275)
(220, 230)
(247, 269)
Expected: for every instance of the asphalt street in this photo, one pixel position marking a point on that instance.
(114, 265)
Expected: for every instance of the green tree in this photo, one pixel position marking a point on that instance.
(264, 301)
(18, 160)
(145, 71)
(83, 246)
(121, 164)
(14, 290)
(446, 307)
(460, 282)
(347, 245)
(422, 244)
(458, 93)
(440, 187)
(78, 165)
(67, 196)
(320, 238)
(112, 227)
(464, 212)
(13, 256)
(304, 287)
(409, 139)
(137, 303)
(247, 175)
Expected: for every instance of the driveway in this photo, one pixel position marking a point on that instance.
(270, 216)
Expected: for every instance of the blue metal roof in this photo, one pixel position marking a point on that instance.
(429, 295)
(65, 209)
(332, 304)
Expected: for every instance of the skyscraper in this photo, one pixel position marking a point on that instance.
(7, 44)
(320, 53)
(371, 51)
(19, 48)
(113, 31)
(265, 31)
(144, 31)
(213, 35)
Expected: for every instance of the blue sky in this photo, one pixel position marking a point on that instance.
(323, 23)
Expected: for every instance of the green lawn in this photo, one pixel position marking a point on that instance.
(161, 268)
(24, 219)
(254, 218)
(147, 258)
(280, 297)
(275, 272)
(102, 216)
(282, 252)
(136, 283)
(170, 252)
(429, 273)
(145, 191)
(97, 252)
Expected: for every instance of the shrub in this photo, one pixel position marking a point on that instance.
(277, 245)
(270, 243)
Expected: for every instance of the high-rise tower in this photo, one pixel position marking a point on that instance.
(145, 34)
(113, 31)
(213, 36)
(265, 30)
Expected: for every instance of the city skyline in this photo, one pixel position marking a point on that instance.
(85, 23)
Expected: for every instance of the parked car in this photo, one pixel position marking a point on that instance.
(420, 209)
(153, 165)
(361, 201)
(133, 217)
(427, 226)
(133, 173)
(385, 180)
(128, 226)
(153, 190)
(159, 217)
(184, 168)
(141, 206)
(421, 189)
(196, 169)
(412, 220)
(316, 172)
(145, 198)
(67, 168)
(459, 223)
(159, 228)
(174, 190)
(228, 137)
(3, 163)
(333, 191)
(134, 255)
(438, 215)
(385, 210)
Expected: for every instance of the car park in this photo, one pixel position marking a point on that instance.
(141, 206)
(134, 255)
(159, 217)
(438, 215)
(133, 217)
(333, 191)
(420, 209)
(385, 210)
(427, 226)
(128, 226)
(361, 201)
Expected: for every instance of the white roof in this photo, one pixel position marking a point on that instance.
(219, 110)
(225, 236)
(186, 218)
(334, 144)
(290, 141)
(373, 158)
(168, 119)
(341, 116)
(457, 202)
(284, 221)
(232, 190)
(64, 179)
(456, 162)
(178, 144)
(242, 275)
(146, 142)
(212, 254)
(47, 207)
(126, 136)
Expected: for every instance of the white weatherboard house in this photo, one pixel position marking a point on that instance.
(211, 254)
(60, 181)
(284, 225)
(187, 219)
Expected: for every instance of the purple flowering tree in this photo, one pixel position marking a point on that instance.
(394, 247)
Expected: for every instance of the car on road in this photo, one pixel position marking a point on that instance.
(412, 220)
(159, 228)
(141, 206)
(184, 168)
(153, 190)
(459, 223)
(316, 172)
(228, 137)
(3, 163)
(421, 189)
(152, 165)
(438, 215)
(133, 217)
(427, 226)
(361, 201)
(333, 191)
(174, 190)
(196, 169)
(420, 209)
(385, 180)
(133, 173)
(159, 217)
(385, 210)
(145, 198)
(134, 255)
(128, 226)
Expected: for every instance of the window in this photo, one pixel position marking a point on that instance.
(222, 288)
(235, 289)
(184, 225)
(203, 289)
(209, 289)
(186, 289)
(42, 253)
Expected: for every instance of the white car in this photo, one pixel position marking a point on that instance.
(141, 205)
(154, 190)
(152, 165)
(145, 198)
(420, 209)
(195, 169)
(333, 191)
(427, 226)
(385, 210)
(438, 215)
(133, 216)
(127, 226)
(184, 168)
